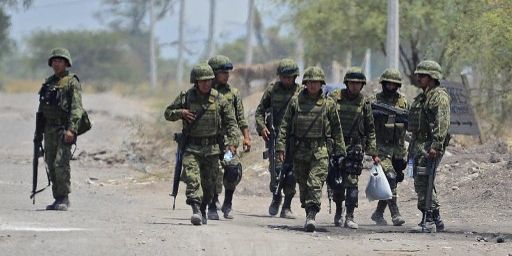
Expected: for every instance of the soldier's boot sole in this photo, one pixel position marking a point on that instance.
(227, 212)
(310, 226)
(397, 220)
(378, 218)
(196, 220)
(287, 214)
(273, 209)
(351, 224)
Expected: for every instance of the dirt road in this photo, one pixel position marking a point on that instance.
(117, 209)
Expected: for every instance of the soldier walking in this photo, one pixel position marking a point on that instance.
(308, 120)
(390, 133)
(60, 102)
(269, 114)
(359, 135)
(232, 174)
(205, 114)
(429, 121)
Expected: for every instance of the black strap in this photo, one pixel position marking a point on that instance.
(198, 115)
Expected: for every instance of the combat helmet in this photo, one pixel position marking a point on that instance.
(60, 53)
(287, 67)
(201, 71)
(220, 63)
(391, 75)
(313, 74)
(431, 68)
(354, 74)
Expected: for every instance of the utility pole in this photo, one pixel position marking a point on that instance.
(393, 32)
(211, 30)
(248, 42)
(152, 56)
(181, 44)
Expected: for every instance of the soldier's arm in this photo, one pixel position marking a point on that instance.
(336, 130)
(260, 110)
(173, 111)
(369, 127)
(228, 121)
(240, 114)
(286, 125)
(76, 104)
(439, 111)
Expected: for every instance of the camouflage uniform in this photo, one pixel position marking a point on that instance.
(391, 144)
(222, 63)
(306, 124)
(201, 157)
(359, 134)
(429, 121)
(275, 99)
(60, 101)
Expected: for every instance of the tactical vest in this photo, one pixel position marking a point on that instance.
(388, 133)
(415, 113)
(54, 99)
(419, 124)
(351, 111)
(280, 97)
(309, 118)
(208, 125)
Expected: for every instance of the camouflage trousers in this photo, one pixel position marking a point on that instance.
(421, 185)
(349, 191)
(288, 187)
(387, 167)
(310, 173)
(57, 156)
(199, 174)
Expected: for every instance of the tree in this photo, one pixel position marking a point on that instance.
(5, 22)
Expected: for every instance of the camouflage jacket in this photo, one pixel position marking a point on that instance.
(311, 119)
(429, 120)
(275, 99)
(60, 101)
(232, 95)
(357, 109)
(219, 116)
(390, 136)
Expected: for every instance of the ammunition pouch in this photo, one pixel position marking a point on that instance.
(334, 175)
(353, 163)
(49, 96)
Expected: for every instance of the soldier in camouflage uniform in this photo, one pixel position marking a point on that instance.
(429, 121)
(221, 66)
(60, 102)
(390, 143)
(274, 101)
(308, 121)
(359, 135)
(201, 157)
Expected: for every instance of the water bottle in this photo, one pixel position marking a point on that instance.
(410, 167)
(228, 156)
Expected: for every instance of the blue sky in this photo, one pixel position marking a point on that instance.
(80, 14)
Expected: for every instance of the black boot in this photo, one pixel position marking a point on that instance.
(337, 214)
(196, 218)
(273, 209)
(226, 206)
(378, 215)
(55, 205)
(204, 220)
(310, 224)
(212, 208)
(422, 217)
(286, 211)
(437, 220)
(395, 213)
(349, 219)
(429, 226)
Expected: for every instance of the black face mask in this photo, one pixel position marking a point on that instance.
(388, 92)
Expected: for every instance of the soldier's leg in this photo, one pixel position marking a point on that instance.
(50, 153)
(213, 205)
(62, 174)
(301, 172)
(273, 209)
(289, 184)
(315, 182)
(209, 166)
(192, 178)
(218, 187)
(231, 178)
(390, 172)
(351, 202)
(338, 196)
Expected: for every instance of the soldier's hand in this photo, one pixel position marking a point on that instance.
(247, 144)
(280, 156)
(232, 149)
(432, 153)
(188, 115)
(265, 133)
(69, 136)
(376, 159)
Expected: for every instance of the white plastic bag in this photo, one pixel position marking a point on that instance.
(378, 186)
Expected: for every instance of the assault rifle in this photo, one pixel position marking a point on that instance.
(270, 153)
(38, 152)
(181, 140)
(394, 114)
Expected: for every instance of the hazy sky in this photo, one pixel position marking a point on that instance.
(80, 14)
